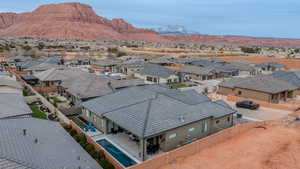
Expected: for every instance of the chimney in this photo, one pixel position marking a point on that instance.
(24, 132)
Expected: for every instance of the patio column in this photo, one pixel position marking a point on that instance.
(142, 151)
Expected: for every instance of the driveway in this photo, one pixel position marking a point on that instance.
(262, 114)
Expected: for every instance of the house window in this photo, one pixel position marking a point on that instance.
(191, 129)
(101, 123)
(228, 119)
(204, 127)
(240, 92)
(88, 113)
(94, 118)
(171, 136)
(218, 121)
(148, 78)
(154, 79)
(169, 81)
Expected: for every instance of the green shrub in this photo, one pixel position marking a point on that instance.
(84, 144)
(105, 164)
(94, 153)
(73, 132)
(100, 155)
(89, 148)
(82, 137)
(68, 128)
(77, 138)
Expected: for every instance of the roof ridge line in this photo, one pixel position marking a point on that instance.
(127, 106)
(147, 113)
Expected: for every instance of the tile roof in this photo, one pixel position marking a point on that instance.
(149, 110)
(290, 77)
(13, 104)
(91, 85)
(59, 74)
(54, 149)
(156, 70)
(260, 83)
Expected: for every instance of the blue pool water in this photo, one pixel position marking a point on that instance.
(116, 153)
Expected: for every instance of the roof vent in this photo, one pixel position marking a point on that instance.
(24, 132)
(78, 158)
(36, 141)
(181, 118)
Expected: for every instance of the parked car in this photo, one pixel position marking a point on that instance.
(247, 105)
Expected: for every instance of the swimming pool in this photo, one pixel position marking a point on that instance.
(116, 153)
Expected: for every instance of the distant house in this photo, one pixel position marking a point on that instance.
(190, 72)
(272, 66)
(28, 143)
(155, 74)
(107, 65)
(265, 88)
(89, 86)
(12, 103)
(163, 61)
(129, 67)
(53, 77)
(290, 77)
(160, 119)
(245, 68)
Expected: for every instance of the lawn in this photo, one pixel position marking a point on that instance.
(56, 100)
(37, 113)
(78, 121)
(177, 85)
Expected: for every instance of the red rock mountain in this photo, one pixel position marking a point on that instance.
(69, 21)
(79, 21)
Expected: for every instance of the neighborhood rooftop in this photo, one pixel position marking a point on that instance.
(156, 70)
(260, 83)
(25, 144)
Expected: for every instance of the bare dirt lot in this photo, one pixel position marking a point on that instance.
(292, 64)
(269, 147)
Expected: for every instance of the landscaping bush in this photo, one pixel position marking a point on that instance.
(77, 138)
(89, 148)
(82, 138)
(105, 164)
(73, 132)
(68, 128)
(100, 155)
(94, 153)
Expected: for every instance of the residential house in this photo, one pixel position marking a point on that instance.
(160, 119)
(29, 143)
(107, 65)
(290, 77)
(272, 66)
(53, 77)
(264, 88)
(189, 72)
(155, 74)
(11, 98)
(129, 67)
(89, 86)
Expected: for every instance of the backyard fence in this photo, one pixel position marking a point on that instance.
(196, 146)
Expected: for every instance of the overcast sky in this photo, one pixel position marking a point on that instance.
(263, 18)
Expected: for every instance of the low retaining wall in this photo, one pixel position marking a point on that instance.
(46, 89)
(90, 140)
(233, 98)
(196, 146)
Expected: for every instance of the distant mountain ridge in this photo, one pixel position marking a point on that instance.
(173, 30)
(79, 21)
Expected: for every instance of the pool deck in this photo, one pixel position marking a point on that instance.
(126, 148)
